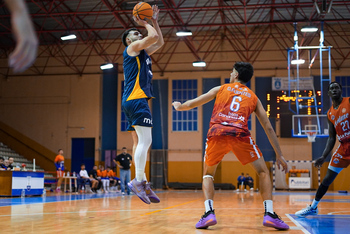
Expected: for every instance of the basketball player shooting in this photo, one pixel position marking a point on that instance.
(228, 131)
(137, 91)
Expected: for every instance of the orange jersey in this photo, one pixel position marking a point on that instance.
(59, 158)
(111, 173)
(102, 173)
(233, 105)
(340, 118)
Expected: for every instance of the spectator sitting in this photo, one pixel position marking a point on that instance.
(93, 174)
(7, 163)
(2, 165)
(240, 181)
(11, 163)
(84, 175)
(104, 178)
(112, 177)
(249, 181)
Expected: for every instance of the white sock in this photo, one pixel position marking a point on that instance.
(314, 204)
(144, 177)
(104, 182)
(268, 206)
(209, 205)
(144, 135)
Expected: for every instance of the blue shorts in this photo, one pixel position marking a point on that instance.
(137, 113)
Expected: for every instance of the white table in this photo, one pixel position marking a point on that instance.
(70, 178)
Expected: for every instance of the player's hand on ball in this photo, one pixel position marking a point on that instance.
(139, 21)
(176, 105)
(282, 162)
(319, 162)
(155, 13)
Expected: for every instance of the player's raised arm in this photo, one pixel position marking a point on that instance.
(198, 101)
(265, 123)
(153, 48)
(138, 45)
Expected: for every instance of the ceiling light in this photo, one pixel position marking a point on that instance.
(106, 66)
(298, 61)
(68, 37)
(199, 64)
(184, 33)
(309, 29)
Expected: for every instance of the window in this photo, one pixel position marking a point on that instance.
(123, 120)
(227, 80)
(184, 90)
(345, 83)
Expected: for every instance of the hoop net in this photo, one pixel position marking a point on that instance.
(311, 136)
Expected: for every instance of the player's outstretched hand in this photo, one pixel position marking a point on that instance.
(319, 162)
(176, 105)
(155, 13)
(282, 162)
(25, 52)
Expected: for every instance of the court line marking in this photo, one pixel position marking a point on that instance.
(335, 212)
(167, 208)
(298, 224)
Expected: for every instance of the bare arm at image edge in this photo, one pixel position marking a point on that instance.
(25, 52)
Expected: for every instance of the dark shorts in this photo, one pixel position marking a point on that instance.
(137, 113)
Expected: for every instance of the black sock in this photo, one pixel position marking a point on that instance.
(321, 191)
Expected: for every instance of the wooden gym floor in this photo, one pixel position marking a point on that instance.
(178, 212)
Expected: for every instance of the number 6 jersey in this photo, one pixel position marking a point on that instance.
(340, 119)
(233, 105)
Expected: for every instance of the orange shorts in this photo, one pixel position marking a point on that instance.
(341, 157)
(60, 173)
(244, 148)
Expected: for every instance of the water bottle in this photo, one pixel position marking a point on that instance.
(23, 193)
(68, 174)
(75, 175)
(44, 192)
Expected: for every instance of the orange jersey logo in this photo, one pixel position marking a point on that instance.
(340, 118)
(233, 105)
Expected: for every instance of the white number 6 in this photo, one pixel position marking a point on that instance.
(235, 103)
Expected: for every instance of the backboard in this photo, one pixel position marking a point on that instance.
(305, 123)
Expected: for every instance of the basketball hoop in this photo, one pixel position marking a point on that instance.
(311, 136)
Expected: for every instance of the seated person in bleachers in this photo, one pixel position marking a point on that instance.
(7, 163)
(104, 178)
(249, 181)
(10, 163)
(93, 174)
(84, 175)
(2, 165)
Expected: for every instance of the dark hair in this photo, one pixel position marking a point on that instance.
(123, 148)
(2, 158)
(126, 33)
(59, 150)
(82, 164)
(108, 167)
(334, 82)
(245, 71)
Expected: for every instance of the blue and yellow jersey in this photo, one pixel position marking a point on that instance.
(137, 76)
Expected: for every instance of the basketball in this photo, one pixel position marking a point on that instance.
(143, 10)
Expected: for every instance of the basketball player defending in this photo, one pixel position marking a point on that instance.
(137, 91)
(338, 124)
(228, 131)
